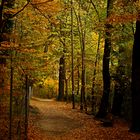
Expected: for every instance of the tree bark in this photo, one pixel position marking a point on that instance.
(83, 78)
(61, 78)
(78, 76)
(72, 57)
(106, 74)
(2, 60)
(135, 85)
(5, 27)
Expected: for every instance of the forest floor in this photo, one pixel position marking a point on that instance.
(52, 120)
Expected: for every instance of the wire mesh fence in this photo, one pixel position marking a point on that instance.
(14, 104)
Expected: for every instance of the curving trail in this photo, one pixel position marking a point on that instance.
(57, 121)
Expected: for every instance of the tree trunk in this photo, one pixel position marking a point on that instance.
(82, 33)
(119, 88)
(72, 57)
(106, 74)
(94, 76)
(83, 80)
(2, 60)
(135, 127)
(106, 79)
(6, 27)
(117, 100)
(11, 97)
(78, 76)
(83, 84)
(66, 89)
(26, 107)
(61, 78)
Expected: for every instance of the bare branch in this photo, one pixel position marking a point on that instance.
(46, 16)
(95, 9)
(28, 1)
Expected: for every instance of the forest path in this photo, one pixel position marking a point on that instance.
(53, 120)
(57, 121)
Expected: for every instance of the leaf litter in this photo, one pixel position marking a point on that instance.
(57, 121)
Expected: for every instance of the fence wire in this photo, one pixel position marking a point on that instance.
(14, 111)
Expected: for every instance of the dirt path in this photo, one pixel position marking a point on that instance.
(53, 120)
(57, 121)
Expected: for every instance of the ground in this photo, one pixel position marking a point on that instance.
(52, 120)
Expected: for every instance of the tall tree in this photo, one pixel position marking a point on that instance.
(62, 40)
(61, 78)
(6, 26)
(135, 86)
(125, 31)
(82, 23)
(72, 56)
(106, 59)
(94, 75)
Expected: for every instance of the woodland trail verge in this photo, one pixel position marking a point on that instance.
(52, 120)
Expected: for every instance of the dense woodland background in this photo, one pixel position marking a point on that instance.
(80, 51)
